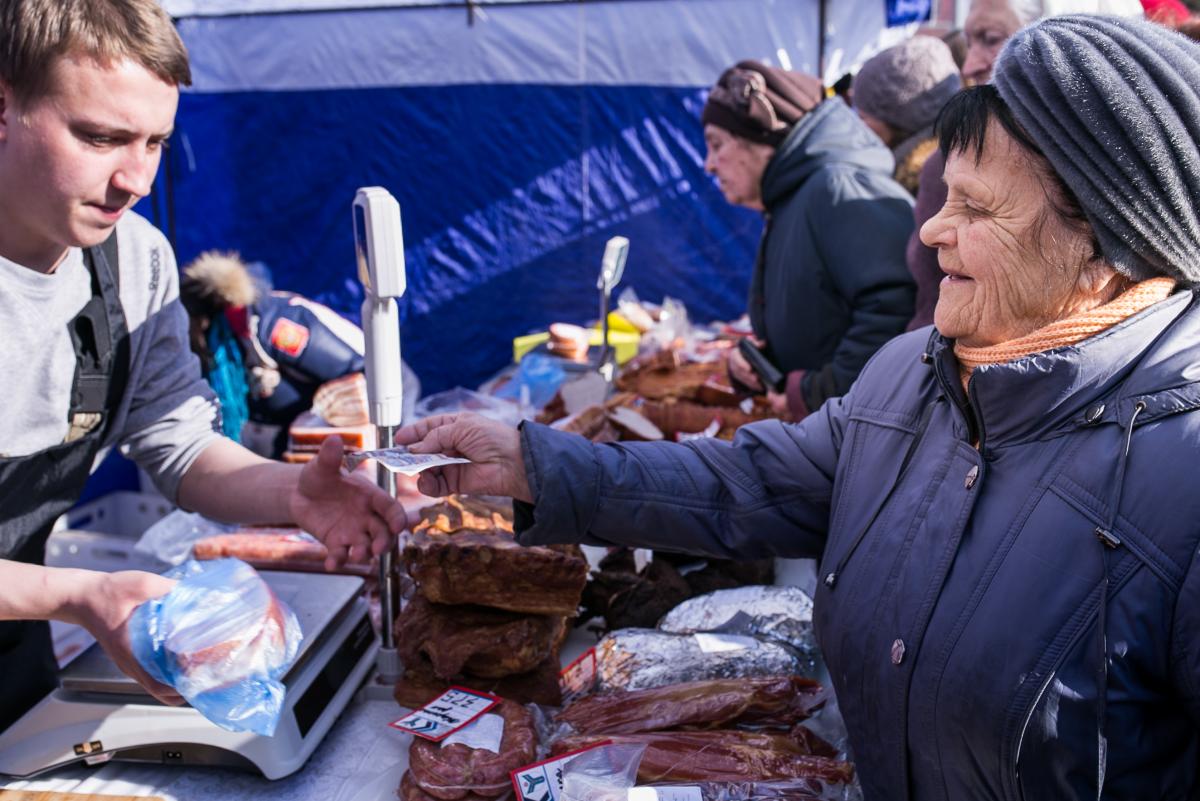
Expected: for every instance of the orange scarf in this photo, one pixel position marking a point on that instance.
(1067, 331)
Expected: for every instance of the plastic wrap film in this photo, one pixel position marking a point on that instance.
(781, 614)
(456, 771)
(609, 773)
(719, 756)
(636, 659)
(275, 549)
(223, 640)
(766, 701)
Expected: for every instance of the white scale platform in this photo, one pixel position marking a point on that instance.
(99, 713)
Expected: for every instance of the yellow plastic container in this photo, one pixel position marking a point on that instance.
(625, 343)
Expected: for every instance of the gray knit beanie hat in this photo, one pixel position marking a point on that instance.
(906, 86)
(1114, 104)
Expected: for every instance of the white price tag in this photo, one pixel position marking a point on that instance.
(543, 781)
(719, 643)
(399, 460)
(669, 793)
(446, 714)
(485, 733)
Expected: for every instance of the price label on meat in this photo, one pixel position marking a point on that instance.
(446, 714)
(578, 678)
(666, 793)
(543, 781)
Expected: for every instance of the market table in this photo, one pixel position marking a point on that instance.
(361, 759)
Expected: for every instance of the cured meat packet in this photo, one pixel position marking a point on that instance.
(400, 460)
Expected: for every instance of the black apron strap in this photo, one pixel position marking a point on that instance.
(101, 347)
(36, 489)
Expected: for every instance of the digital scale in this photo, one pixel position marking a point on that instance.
(98, 713)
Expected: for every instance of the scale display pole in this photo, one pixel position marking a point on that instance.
(379, 246)
(612, 267)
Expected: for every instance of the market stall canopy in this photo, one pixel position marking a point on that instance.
(518, 136)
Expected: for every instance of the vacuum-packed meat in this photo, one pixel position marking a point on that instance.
(452, 772)
(782, 614)
(635, 659)
(720, 755)
(411, 791)
(766, 701)
(273, 549)
(780, 790)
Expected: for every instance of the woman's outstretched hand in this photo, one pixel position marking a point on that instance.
(494, 450)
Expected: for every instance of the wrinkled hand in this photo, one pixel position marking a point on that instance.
(106, 602)
(740, 369)
(353, 517)
(494, 450)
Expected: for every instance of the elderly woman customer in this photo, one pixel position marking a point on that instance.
(829, 285)
(1004, 507)
(988, 26)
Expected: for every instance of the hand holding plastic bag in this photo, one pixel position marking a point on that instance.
(223, 640)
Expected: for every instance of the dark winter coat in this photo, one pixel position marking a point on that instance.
(830, 285)
(968, 593)
(307, 343)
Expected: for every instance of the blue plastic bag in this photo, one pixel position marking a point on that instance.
(223, 640)
(538, 375)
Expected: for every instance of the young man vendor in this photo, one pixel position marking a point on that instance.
(94, 349)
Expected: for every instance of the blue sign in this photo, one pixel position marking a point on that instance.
(903, 12)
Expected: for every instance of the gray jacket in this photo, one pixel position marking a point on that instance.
(968, 593)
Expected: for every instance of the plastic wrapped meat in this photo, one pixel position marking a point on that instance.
(716, 756)
(273, 549)
(780, 790)
(411, 791)
(453, 772)
(223, 640)
(768, 701)
(635, 659)
(782, 614)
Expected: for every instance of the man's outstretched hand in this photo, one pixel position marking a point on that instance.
(354, 518)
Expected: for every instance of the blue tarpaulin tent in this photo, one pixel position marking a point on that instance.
(517, 135)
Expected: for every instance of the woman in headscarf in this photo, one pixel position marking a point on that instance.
(829, 285)
(1005, 507)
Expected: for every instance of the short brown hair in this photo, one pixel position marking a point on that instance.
(35, 33)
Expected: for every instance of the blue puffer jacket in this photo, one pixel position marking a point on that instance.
(968, 593)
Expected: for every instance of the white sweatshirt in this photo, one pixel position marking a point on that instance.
(168, 414)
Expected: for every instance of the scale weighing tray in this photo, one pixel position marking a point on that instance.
(99, 713)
